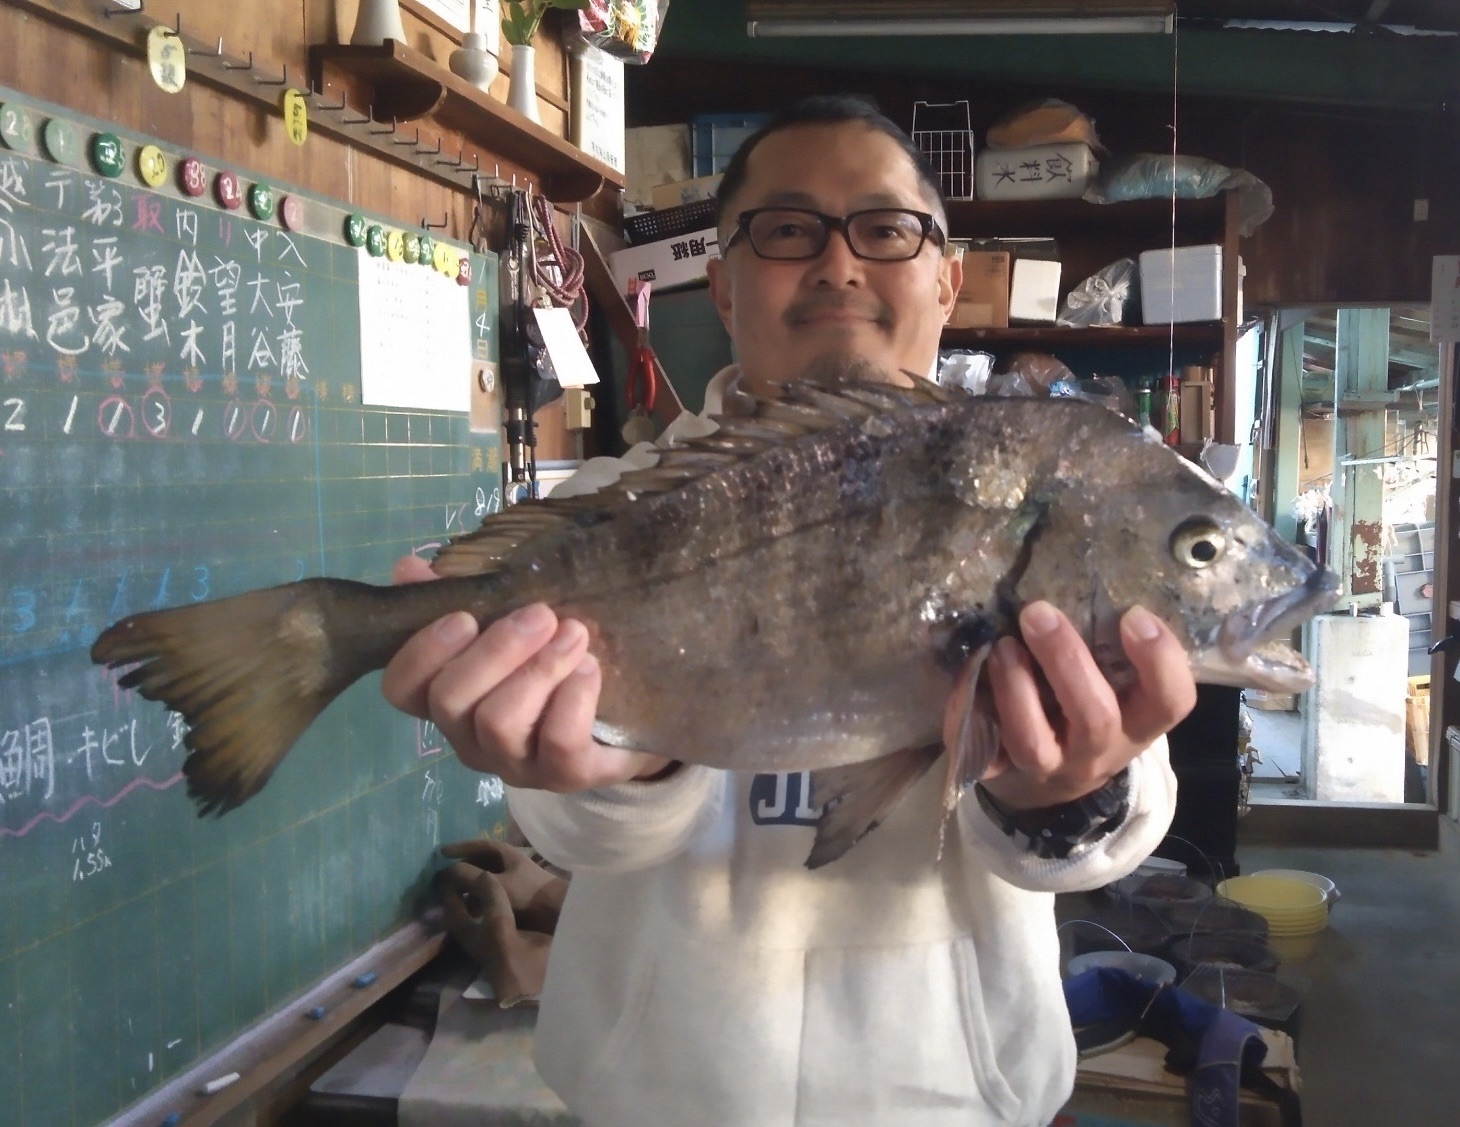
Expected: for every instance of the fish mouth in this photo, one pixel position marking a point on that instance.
(1249, 651)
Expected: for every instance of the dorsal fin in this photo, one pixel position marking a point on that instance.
(806, 406)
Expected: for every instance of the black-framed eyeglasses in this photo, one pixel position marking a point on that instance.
(795, 234)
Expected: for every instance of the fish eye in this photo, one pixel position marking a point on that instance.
(1198, 543)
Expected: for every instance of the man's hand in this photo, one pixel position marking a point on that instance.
(479, 917)
(1049, 758)
(534, 894)
(516, 699)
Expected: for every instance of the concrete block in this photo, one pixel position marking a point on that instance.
(1353, 733)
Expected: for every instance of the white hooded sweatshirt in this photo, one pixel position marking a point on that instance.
(701, 976)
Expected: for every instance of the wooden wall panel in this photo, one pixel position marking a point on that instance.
(1343, 182)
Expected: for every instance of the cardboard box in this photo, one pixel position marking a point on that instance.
(668, 263)
(1197, 420)
(1130, 1087)
(1040, 172)
(685, 191)
(1181, 284)
(1034, 294)
(983, 299)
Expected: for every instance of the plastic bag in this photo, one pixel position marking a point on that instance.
(626, 29)
(1046, 122)
(1029, 374)
(1107, 391)
(1145, 176)
(968, 370)
(1101, 298)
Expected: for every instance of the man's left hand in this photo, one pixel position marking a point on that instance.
(1057, 756)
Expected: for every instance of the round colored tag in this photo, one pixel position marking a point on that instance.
(192, 177)
(152, 166)
(226, 189)
(411, 248)
(60, 141)
(106, 154)
(261, 201)
(441, 259)
(296, 116)
(426, 254)
(463, 271)
(291, 212)
(355, 230)
(375, 241)
(167, 59)
(17, 127)
(395, 246)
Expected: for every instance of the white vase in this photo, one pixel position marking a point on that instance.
(473, 61)
(378, 21)
(522, 92)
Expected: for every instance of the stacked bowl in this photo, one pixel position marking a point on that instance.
(1295, 910)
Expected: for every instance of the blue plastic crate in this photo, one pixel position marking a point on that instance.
(714, 137)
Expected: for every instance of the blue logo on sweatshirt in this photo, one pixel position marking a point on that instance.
(783, 800)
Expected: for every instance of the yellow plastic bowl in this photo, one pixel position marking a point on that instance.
(1291, 907)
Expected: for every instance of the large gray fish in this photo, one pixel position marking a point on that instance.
(797, 591)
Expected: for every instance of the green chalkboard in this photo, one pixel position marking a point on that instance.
(180, 419)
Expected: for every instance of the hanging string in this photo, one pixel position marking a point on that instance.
(558, 272)
(1175, 76)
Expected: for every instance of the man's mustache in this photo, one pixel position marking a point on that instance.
(864, 305)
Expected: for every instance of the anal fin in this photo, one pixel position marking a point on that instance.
(977, 741)
(855, 799)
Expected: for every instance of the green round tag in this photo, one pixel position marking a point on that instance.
(412, 248)
(261, 201)
(106, 154)
(17, 127)
(61, 143)
(426, 251)
(355, 230)
(375, 241)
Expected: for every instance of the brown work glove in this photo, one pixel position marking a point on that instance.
(478, 915)
(536, 895)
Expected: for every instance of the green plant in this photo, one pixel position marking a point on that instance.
(521, 17)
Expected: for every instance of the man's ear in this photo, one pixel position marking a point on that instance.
(950, 281)
(720, 289)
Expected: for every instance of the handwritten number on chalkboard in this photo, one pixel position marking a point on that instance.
(161, 600)
(22, 605)
(117, 598)
(15, 420)
(200, 584)
(298, 570)
(75, 608)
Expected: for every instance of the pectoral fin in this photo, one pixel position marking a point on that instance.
(855, 799)
(977, 741)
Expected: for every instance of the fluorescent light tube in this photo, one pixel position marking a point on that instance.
(1033, 25)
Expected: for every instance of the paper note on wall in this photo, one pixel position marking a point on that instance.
(1445, 298)
(415, 338)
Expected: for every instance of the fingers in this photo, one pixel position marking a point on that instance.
(1165, 690)
(482, 852)
(409, 674)
(411, 569)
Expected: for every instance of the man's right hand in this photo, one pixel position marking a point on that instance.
(516, 699)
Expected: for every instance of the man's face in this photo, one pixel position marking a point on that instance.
(785, 317)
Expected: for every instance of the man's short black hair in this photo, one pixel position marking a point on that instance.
(825, 109)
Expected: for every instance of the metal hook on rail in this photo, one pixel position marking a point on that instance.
(385, 132)
(214, 54)
(323, 105)
(357, 120)
(430, 152)
(426, 223)
(240, 66)
(274, 81)
(416, 140)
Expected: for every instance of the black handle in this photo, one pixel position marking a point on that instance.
(1445, 643)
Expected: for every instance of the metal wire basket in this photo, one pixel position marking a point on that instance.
(669, 222)
(943, 133)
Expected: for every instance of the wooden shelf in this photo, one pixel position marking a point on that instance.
(406, 85)
(1205, 334)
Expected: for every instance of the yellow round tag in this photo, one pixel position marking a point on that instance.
(441, 259)
(152, 166)
(167, 59)
(296, 116)
(395, 246)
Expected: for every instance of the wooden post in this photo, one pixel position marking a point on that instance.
(1289, 437)
(1361, 378)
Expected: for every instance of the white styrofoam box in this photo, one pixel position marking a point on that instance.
(1034, 292)
(679, 261)
(1181, 284)
(1040, 172)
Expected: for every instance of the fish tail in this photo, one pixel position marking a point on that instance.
(249, 673)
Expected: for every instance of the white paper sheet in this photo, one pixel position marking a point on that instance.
(415, 337)
(565, 348)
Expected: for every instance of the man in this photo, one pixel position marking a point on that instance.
(700, 974)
